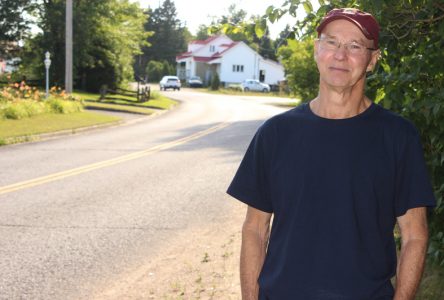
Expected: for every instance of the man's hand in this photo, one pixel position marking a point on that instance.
(414, 236)
(255, 234)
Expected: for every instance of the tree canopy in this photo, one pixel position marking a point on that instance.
(107, 35)
(14, 23)
(169, 38)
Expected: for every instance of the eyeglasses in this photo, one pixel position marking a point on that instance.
(352, 48)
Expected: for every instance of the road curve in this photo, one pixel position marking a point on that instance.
(77, 211)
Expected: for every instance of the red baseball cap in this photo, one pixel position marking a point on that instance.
(364, 21)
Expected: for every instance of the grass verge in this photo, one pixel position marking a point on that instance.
(127, 104)
(223, 91)
(15, 131)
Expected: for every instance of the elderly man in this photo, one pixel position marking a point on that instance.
(336, 173)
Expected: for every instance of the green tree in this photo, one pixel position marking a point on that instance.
(235, 18)
(107, 35)
(14, 23)
(265, 45)
(202, 32)
(284, 36)
(301, 70)
(154, 70)
(170, 36)
(237, 27)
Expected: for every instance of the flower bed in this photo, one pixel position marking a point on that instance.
(18, 101)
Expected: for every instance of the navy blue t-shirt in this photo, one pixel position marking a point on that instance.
(335, 187)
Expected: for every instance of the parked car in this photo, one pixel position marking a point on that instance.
(170, 82)
(195, 81)
(254, 85)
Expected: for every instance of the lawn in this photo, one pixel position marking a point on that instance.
(25, 129)
(127, 104)
(14, 131)
(224, 91)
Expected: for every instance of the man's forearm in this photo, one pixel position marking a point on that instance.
(410, 269)
(253, 251)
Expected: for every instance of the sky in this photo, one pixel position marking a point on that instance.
(196, 12)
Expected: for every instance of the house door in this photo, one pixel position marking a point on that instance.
(262, 75)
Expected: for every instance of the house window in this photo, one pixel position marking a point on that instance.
(212, 48)
(238, 68)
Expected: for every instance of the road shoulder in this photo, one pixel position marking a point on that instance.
(200, 263)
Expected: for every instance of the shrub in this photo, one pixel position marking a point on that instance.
(60, 106)
(33, 108)
(154, 70)
(14, 111)
(18, 101)
(215, 82)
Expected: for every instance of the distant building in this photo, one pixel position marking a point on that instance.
(9, 65)
(233, 62)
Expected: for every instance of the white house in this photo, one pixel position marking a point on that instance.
(233, 61)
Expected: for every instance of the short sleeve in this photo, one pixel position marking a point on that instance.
(250, 184)
(413, 187)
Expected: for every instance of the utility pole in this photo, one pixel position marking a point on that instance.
(68, 46)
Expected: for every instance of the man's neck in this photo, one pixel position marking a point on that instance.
(339, 104)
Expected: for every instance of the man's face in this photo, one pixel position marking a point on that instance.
(340, 67)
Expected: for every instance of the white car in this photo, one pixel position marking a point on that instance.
(170, 82)
(254, 85)
(195, 81)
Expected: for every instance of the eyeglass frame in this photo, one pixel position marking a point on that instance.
(323, 39)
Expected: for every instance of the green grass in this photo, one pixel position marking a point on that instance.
(13, 131)
(118, 107)
(223, 91)
(125, 103)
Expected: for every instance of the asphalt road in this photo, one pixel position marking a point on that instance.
(77, 211)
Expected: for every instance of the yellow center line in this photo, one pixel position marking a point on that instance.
(99, 165)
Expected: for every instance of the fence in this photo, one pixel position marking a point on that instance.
(142, 94)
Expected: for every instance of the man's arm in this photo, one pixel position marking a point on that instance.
(255, 234)
(414, 236)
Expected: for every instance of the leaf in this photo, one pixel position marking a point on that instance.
(270, 10)
(260, 27)
(436, 109)
(308, 7)
(380, 94)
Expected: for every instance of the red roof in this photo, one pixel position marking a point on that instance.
(211, 38)
(183, 55)
(204, 58)
(207, 58)
(229, 46)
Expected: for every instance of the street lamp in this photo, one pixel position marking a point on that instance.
(47, 65)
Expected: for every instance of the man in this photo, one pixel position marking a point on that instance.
(337, 174)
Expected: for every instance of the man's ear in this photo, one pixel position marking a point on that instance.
(373, 60)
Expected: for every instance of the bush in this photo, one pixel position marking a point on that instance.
(154, 70)
(157, 69)
(14, 111)
(18, 101)
(59, 106)
(215, 82)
